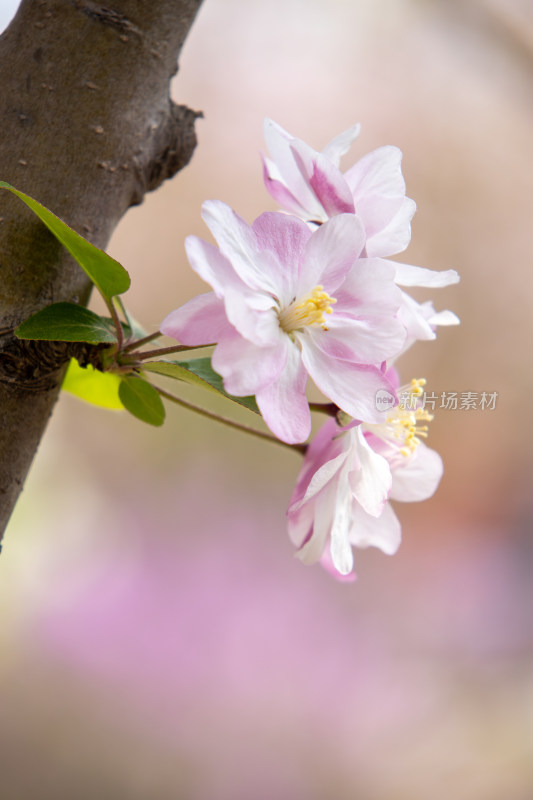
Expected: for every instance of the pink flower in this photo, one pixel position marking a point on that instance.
(310, 185)
(348, 476)
(289, 302)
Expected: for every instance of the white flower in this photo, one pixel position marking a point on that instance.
(348, 476)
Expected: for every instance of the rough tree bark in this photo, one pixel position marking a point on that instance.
(87, 128)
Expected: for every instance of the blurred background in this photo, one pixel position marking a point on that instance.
(158, 639)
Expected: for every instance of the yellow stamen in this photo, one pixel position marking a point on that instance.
(402, 429)
(309, 310)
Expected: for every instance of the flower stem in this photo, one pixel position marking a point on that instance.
(165, 351)
(300, 448)
(141, 342)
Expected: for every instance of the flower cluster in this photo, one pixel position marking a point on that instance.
(310, 291)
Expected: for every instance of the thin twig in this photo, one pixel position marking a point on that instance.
(300, 448)
(141, 342)
(164, 351)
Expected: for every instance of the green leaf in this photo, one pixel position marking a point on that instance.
(142, 400)
(93, 386)
(199, 372)
(67, 322)
(108, 275)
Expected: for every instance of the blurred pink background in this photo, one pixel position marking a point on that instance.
(158, 638)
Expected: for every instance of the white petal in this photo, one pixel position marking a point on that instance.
(312, 550)
(352, 387)
(341, 551)
(238, 243)
(383, 532)
(365, 340)
(418, 477)
(444, 318)
(415, 318)
(407, 275)
(379, 172)
(253, 315)
(300, 523)
(396, 235)
(212, 266)
(340, 145)
(371, 483)
(369, 288)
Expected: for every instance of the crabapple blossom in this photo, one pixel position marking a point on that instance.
(288, 302)
(310, 185)
(348, 476)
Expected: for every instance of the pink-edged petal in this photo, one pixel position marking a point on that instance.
(279, 143)
(324, 446)
(283, 403)
(396, 235)
(383, 532)
(371, 482)
(331, 252)
(367, 289)
(245, 368)
(200, 321)
(352, 387)
(325, 180)
(320, 479)
(237, 242)
(379, 172)
(417, 477)
(340, 145)
(365, 340)
(407, 275)
(278, 191)
(286, 237)
(326, 562)
(251, 312)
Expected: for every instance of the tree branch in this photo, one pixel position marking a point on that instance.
(88, 129)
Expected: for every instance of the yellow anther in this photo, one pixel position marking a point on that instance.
(402, 430)
(309, 310)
